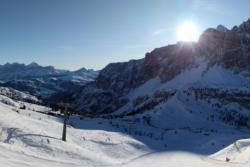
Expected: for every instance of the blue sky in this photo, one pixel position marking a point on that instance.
(71, 34)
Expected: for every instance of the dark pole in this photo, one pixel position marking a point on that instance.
(65, 125)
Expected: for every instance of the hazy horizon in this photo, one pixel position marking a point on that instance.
(46, 65)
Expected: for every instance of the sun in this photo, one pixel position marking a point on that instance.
(187, 31)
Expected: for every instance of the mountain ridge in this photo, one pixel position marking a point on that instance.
(211, 74)
(43, 81)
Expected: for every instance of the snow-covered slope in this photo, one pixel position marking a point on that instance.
(29, 138)
(182, 159)
(237, 152)
(17, 95)
(194, 98)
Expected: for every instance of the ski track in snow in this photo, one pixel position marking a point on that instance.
(31, 139)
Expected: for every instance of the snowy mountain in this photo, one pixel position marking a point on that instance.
(182, 105)
(195, 84)
(42, 81)
(17, 95)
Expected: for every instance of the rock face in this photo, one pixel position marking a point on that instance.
(230, 49)
(105, 95)
(120, 77)
(221, 28)
(243, 28)
(203, 72)
(167, 62)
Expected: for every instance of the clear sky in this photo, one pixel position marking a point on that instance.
(71, 34)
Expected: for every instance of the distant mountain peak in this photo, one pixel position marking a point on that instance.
(33, 64)
(221, 28)
(82, 69)
(13, 64)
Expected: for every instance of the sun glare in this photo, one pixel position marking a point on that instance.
(187, 31)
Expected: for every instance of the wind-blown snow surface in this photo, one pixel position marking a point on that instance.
(33, 139)
(28, 138)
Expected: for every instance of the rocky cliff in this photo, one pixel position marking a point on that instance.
(213, 73)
